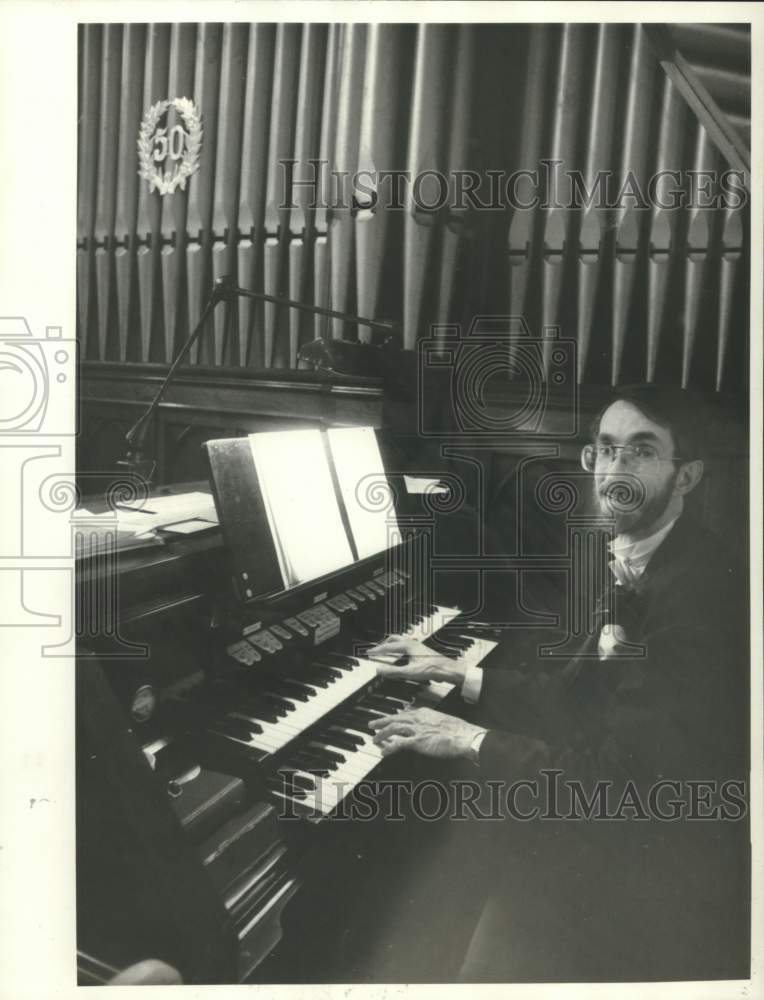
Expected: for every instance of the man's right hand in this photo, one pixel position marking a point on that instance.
(422, 664)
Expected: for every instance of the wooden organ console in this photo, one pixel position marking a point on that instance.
(221, 726)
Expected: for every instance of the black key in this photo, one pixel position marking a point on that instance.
(261, 701)
(311, 764)
(314, 764)
(442, 648)
(390, 706)
(402, 700)
(305, 754)
(327, 754)
(329, 766)
(339, 739)
(357, 721)
(359, 727)
(380, 702)
(316, 680)
(347, 665)
(289, 703)
(282, 703)
(237, 728)
(400, 689)
(449, 640)
(370, 712)
(274, 708)
(309, 689)
(364, 711)
(327, 671)
(340, 661)
(315, 674)
(295, 690)
(263, 714)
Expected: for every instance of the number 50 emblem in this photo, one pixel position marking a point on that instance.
(180, 146)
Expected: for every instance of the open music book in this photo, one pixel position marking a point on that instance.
(295, 473)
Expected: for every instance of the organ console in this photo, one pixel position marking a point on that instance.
(224, 721)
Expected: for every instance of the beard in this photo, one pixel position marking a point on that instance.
(624, 502)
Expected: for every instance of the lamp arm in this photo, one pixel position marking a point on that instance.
(223, 289)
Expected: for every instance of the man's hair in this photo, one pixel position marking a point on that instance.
(680, 411)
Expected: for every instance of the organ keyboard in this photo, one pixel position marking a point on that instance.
(283, 703)
(308, 718)
(249, 720)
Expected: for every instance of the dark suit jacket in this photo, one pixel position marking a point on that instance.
(678, 710)
(628, 899)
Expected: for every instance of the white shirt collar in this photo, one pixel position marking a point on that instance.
(630, 558)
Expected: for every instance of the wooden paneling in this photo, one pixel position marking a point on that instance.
(203, 403)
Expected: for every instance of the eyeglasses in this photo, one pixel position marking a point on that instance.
(635, 456)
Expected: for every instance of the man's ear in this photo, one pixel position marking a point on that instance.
(688, 476)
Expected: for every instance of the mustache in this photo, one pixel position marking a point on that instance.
(624, 493)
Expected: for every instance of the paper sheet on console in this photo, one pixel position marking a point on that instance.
(144, 517)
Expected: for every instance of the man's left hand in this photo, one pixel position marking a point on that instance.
(434, 734)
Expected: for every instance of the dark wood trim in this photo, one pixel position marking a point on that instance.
(218, 377)
(226, 401)
(227, 391)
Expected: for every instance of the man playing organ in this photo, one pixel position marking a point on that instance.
(652, 701)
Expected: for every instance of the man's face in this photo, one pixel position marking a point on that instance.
(634, 491)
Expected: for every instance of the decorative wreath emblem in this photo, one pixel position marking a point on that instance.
(181, 146)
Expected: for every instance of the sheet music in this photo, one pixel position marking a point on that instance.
(301, 505)
(363, 484)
